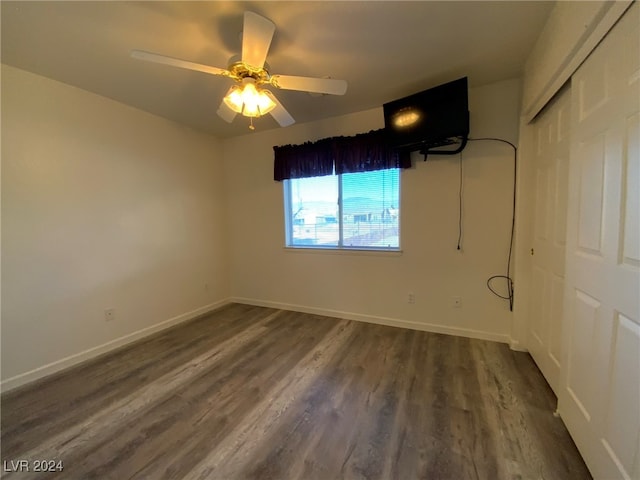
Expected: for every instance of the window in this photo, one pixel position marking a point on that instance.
(353, 210)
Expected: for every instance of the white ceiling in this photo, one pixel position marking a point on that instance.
(385, 50)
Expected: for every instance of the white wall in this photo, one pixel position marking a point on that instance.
(375, 286)
(103, 206)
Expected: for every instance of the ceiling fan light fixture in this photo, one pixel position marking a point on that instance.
(233, 99)
(249, 100)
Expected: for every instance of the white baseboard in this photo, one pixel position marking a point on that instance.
(58, 365)
(71, 360)
(516, 346)
(392, 322)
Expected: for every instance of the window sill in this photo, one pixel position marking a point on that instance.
(345, 251)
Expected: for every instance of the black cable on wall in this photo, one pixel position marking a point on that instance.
(507, 276)
(460, 207)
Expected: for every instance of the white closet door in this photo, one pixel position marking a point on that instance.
(552, 142)
(600, 393)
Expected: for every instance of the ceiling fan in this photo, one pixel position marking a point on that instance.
(248, 95)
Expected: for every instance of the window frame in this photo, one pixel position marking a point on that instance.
(340, 247)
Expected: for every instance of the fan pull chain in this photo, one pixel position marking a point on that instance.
(251, 127)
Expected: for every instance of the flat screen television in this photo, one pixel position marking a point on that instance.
(432, 118)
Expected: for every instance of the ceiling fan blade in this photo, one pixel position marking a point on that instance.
(256, 39)
(176, 62)
(226, 113)
(280, 114)
(309, 84)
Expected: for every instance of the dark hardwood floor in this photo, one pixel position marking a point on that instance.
(256, 393)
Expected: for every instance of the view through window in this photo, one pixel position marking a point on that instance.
(353, 210)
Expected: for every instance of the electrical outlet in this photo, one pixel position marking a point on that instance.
(411, 298)
(456, 302)
(110, 314)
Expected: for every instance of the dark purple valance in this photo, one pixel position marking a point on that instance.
(361, 153)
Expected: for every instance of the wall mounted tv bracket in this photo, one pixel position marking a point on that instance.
(427, 148)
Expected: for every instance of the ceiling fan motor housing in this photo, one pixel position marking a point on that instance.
(241, 70)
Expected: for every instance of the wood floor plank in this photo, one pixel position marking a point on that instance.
(95, 385)
(255, 393)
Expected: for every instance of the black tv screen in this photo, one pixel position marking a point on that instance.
(428, 119)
